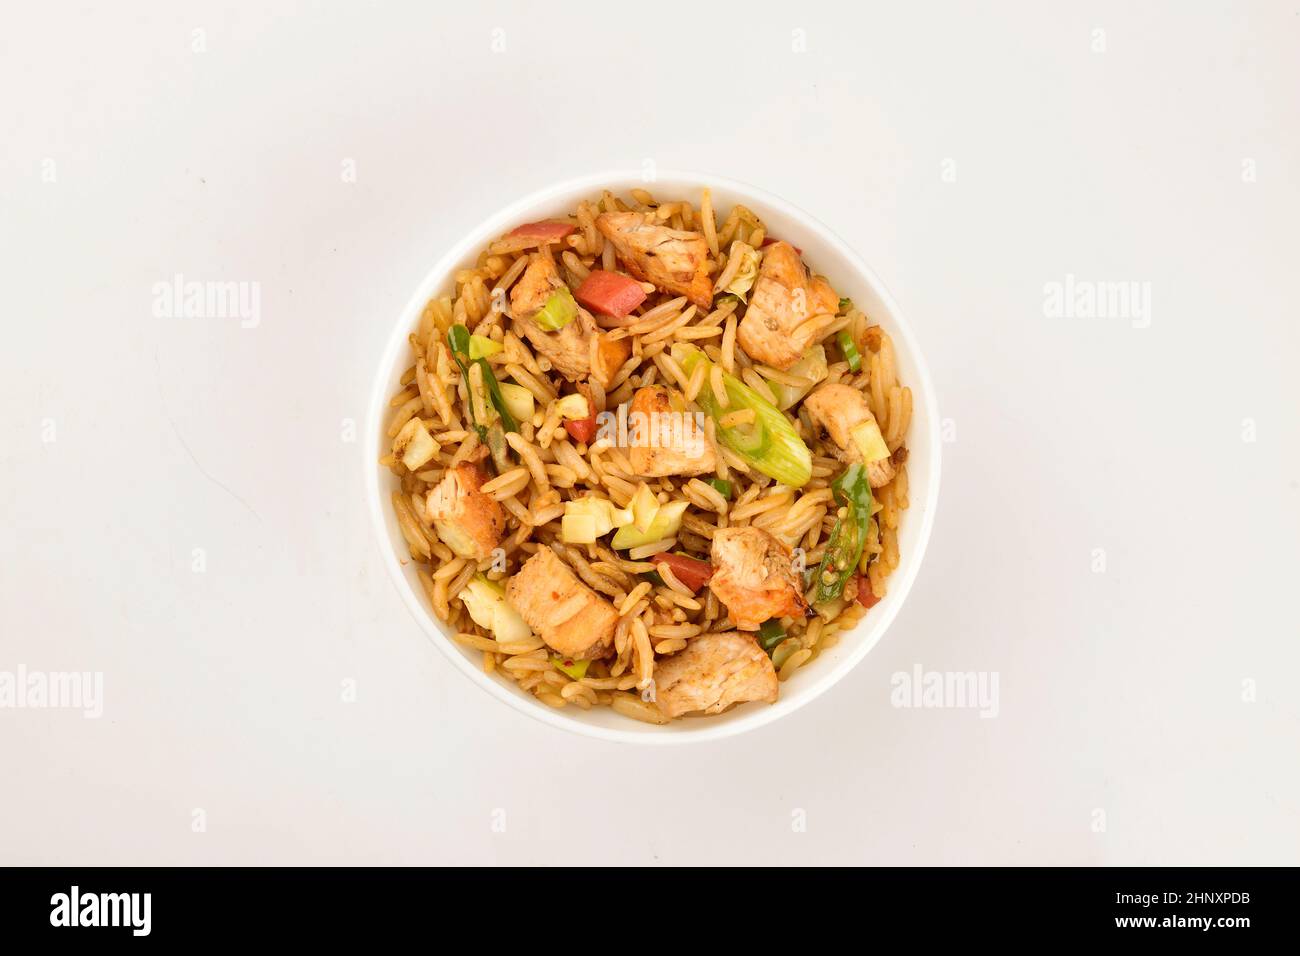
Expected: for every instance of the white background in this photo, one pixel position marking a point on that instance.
(1121, 691)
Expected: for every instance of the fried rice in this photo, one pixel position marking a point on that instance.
(683, 342)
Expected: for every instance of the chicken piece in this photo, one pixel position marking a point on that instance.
(666, 439)
(673, 260)
(839, 409)
(713, 672)
(578, 350)
(783, 299)
(752, 576)
(534, 287)
(570, 617)
(468, 521)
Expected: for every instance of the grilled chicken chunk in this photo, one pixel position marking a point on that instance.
(713, 672)
(580, 348)
(674, 260)
(570, 617)
(752, 576)
(839, 409)
(534, 287)
(667, 440)
(468, 521)
(783, 298)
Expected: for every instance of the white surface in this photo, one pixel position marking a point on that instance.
(852, 277)
(1120, 691)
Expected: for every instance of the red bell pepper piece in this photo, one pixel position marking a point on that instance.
(581, 429)
(548, 229)
(865, 595)
(608, 293)
(692, 572)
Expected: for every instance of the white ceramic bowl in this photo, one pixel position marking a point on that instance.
(830, 256)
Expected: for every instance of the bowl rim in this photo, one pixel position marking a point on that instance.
(490, 227)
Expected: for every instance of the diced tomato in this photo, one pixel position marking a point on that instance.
(548, 229)
(608, 293)
(581, 429)
(865, 595)
(692, 572)
(768, 240)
